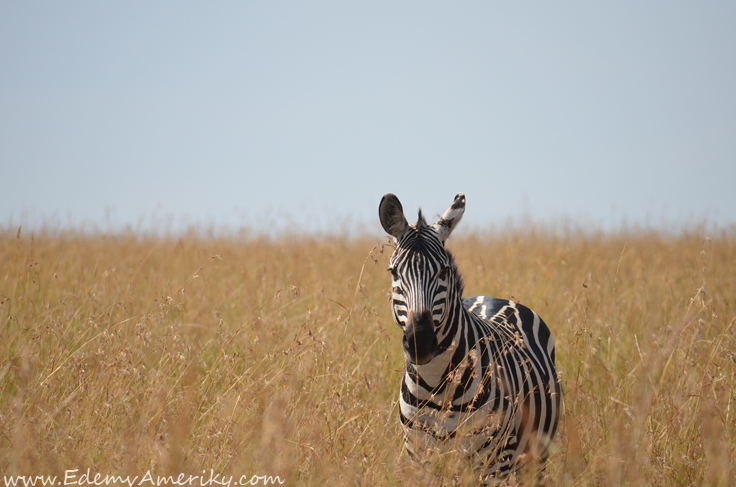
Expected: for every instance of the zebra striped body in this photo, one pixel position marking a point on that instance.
(480, 375)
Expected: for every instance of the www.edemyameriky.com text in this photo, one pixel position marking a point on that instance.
(72, 477)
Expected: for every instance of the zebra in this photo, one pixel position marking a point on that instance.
(480, 372)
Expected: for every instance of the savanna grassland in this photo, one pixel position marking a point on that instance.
(249, 356)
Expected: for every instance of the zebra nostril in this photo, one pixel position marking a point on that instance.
(420, 340)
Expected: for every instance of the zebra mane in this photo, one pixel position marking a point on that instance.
(459, 283)
(421, 222)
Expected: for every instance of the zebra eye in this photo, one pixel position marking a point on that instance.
(393, 272)
(443, 273)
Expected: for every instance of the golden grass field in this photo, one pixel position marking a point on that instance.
(249, 356)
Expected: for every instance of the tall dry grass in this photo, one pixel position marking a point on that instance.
(252, 356)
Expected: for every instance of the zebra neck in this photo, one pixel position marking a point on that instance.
(455, 326)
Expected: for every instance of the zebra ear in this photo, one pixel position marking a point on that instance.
(391, 214)
(446, 224)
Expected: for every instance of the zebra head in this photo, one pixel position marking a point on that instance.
(424, 277)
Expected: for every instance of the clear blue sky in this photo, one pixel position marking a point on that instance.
(263, 114)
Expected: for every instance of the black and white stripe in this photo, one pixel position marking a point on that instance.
(480, 372)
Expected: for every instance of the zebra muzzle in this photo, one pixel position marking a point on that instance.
(420, 340)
